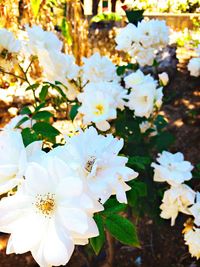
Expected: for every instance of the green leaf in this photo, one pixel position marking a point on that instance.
(35, 5)
(28, 136)
(138, 190)
(134, 16)
(74, 111)
(113, 206)
(44, 92)
(164, 140)
(24, 119)
(122, 229)
(42, 115)
(33, 87)
(139, 162)
(97, 242)
(42, 105)
(130, 66)
(25, 111)
(45, 130)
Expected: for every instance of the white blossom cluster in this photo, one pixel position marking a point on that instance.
(173, 169)
(143, 41)
(53, 196)
(144, 96)
(194, 64)
(95, 84)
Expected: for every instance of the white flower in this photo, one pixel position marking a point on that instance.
(99, 68)
(192, 239)
(173, 169)
(195, 210)
(126, 37)
(14, 158)
(142, 100)
(99, 103)
(137, 80)
(144, 56)
(57, 66)
(176, 199)
(194, 67)
(96, 158)
(49, 214)
(163, 78)
(9, 47)
(142, 41)
(144, 95)
(40, 39)
(8, 42)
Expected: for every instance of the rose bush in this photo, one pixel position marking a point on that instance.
(67, 187)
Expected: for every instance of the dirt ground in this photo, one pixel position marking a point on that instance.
(162, 245)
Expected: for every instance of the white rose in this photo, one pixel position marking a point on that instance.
(192, 239)
(96, 158)
(172, 168)
(49, 214)
(176, 199)
(194, 67)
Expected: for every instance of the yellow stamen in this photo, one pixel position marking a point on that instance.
(45, 204)
(99, 109)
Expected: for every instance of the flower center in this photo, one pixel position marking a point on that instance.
(45, 204)
(89, 164)
(99, 109)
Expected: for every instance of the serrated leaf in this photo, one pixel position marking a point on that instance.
(98, 242)
(42, 115)
(43, 93)
(25, 111)
(113, 206)
(45, 130)
(122, 229)
(28, 136)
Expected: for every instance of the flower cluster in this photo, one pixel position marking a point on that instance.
(174, 170)
(142, 41)
(54, 195)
